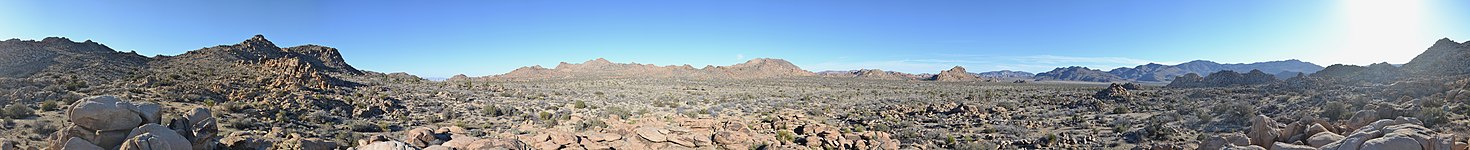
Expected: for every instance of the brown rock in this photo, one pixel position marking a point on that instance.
(79, 144)
(1392, 143)
(386, 145)
(486, 144)
(106, 114)
(1284, 146)
(154, 136)
(1323, 138)
(419, 137)
(651, 134)
(1262, 132)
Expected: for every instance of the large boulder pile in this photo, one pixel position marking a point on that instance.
(1115, 91)
(1403, 133)
(1399, 134)
(105, 122)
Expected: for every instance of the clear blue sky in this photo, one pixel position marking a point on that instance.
(443, 38)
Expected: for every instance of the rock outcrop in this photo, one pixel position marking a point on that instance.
(1115, 91)
(107, 122)
(955, 74)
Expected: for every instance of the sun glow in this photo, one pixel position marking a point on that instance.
(1378, 30)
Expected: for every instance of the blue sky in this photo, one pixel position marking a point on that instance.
(443, 38)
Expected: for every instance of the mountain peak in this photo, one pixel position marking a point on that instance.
(1446, 42)
(258, 40)
(599, 60)
(957, 69)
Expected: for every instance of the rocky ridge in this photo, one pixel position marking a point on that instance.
(1076, 73)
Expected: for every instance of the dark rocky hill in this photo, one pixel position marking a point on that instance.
(1445, 57)
(57, 57)
(1223, 79)
(1076, 73)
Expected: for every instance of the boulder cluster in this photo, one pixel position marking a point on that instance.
(1402, 133)
(1116, 91)
(105, 122)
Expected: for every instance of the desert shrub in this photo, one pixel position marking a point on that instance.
(544, 116)
(591, 124)
(1051, 139)
(618, 111)
(49, 105)
(348, 138)
(579, 104)
(977, 145)
(496, 111)
(1008, 104)
(882, 127)
(1433, 116)
(1121, 110)
(1235, 112)
(1333, 111)
(363, 126)
(385, 127)
(44, 129)
(17, 111)
(785, 135)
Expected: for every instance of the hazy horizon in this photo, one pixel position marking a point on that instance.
(488, 38)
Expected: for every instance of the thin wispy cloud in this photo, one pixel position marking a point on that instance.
(1053, 59)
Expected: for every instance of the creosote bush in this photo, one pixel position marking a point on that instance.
(17, 111)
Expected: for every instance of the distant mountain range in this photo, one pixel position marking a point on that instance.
(771, 68)
(602, 68)
(1153, 72)
(1445, 61)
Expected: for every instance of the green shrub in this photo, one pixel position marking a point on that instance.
(579, 104)
(785, 135)
(1334, 111)
(49, 105)
(17, 111)
(1433, 116)
(544, 115)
